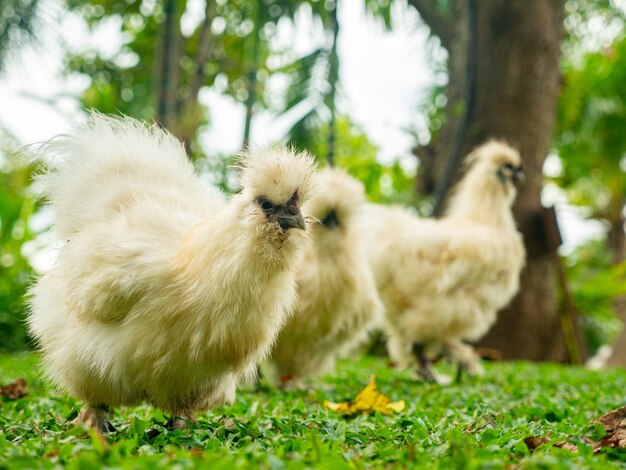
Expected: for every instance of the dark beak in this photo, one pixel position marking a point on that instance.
(518, 176)
(287, 220)
(331, 220)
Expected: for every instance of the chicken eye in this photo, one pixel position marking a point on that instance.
(265, 204)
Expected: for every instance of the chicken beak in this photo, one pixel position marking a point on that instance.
(287, 220)
(518, 176)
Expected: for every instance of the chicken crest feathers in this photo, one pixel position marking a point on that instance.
(277, 173)
(494, 151)
(341, 193)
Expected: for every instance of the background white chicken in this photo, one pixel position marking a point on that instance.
(338, 302)
(163, 291)
(443, 281)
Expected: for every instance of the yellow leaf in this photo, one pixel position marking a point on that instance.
(331, 406)
(369, 399)
(338, 407)
(396, 406)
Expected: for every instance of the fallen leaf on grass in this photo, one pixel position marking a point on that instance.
(614, 423)
(370, 399)
(567, 446)
(533, 442)
(15, 390)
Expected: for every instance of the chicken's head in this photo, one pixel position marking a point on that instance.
(339, 199)
(498, 165)
(275, 182)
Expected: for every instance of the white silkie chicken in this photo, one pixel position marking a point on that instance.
(163, 291)
(443, 280)
(338, 303)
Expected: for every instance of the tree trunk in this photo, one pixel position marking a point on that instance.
(515, 89)
(617, 236)
(250, 101)
(251, 78)
(189, 111)
(168, 56)
(333, 79)
(453, 30)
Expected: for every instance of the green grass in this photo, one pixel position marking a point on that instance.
(479, 424)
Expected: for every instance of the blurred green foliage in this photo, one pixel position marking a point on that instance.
(590, 135)
(240, 60)
(16, 207)
(384, 183)
(596, 283)
(591, 144)
(235, 49)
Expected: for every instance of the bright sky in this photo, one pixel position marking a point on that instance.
(384, 78)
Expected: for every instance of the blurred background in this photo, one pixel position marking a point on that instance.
(397, 92)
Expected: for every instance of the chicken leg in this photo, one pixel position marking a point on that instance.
(424, 365)
(96, 417)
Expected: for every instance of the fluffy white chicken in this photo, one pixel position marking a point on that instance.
(443, 281)
(163, 291)
(338, 302)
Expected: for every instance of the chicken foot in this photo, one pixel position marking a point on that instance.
(180, 422)
(424, 364)
(468, 362)
(96, 417)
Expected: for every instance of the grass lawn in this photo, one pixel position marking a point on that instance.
(481, 423)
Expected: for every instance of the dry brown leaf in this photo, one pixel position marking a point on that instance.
(614, 423)
(532, 442)
(368, 400)
(567, 446)
(15, 390)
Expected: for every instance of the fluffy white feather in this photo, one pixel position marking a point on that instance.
(443, 281)
(164, 291)
(338, 303)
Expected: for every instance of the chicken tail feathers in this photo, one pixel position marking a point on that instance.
(102, 163)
